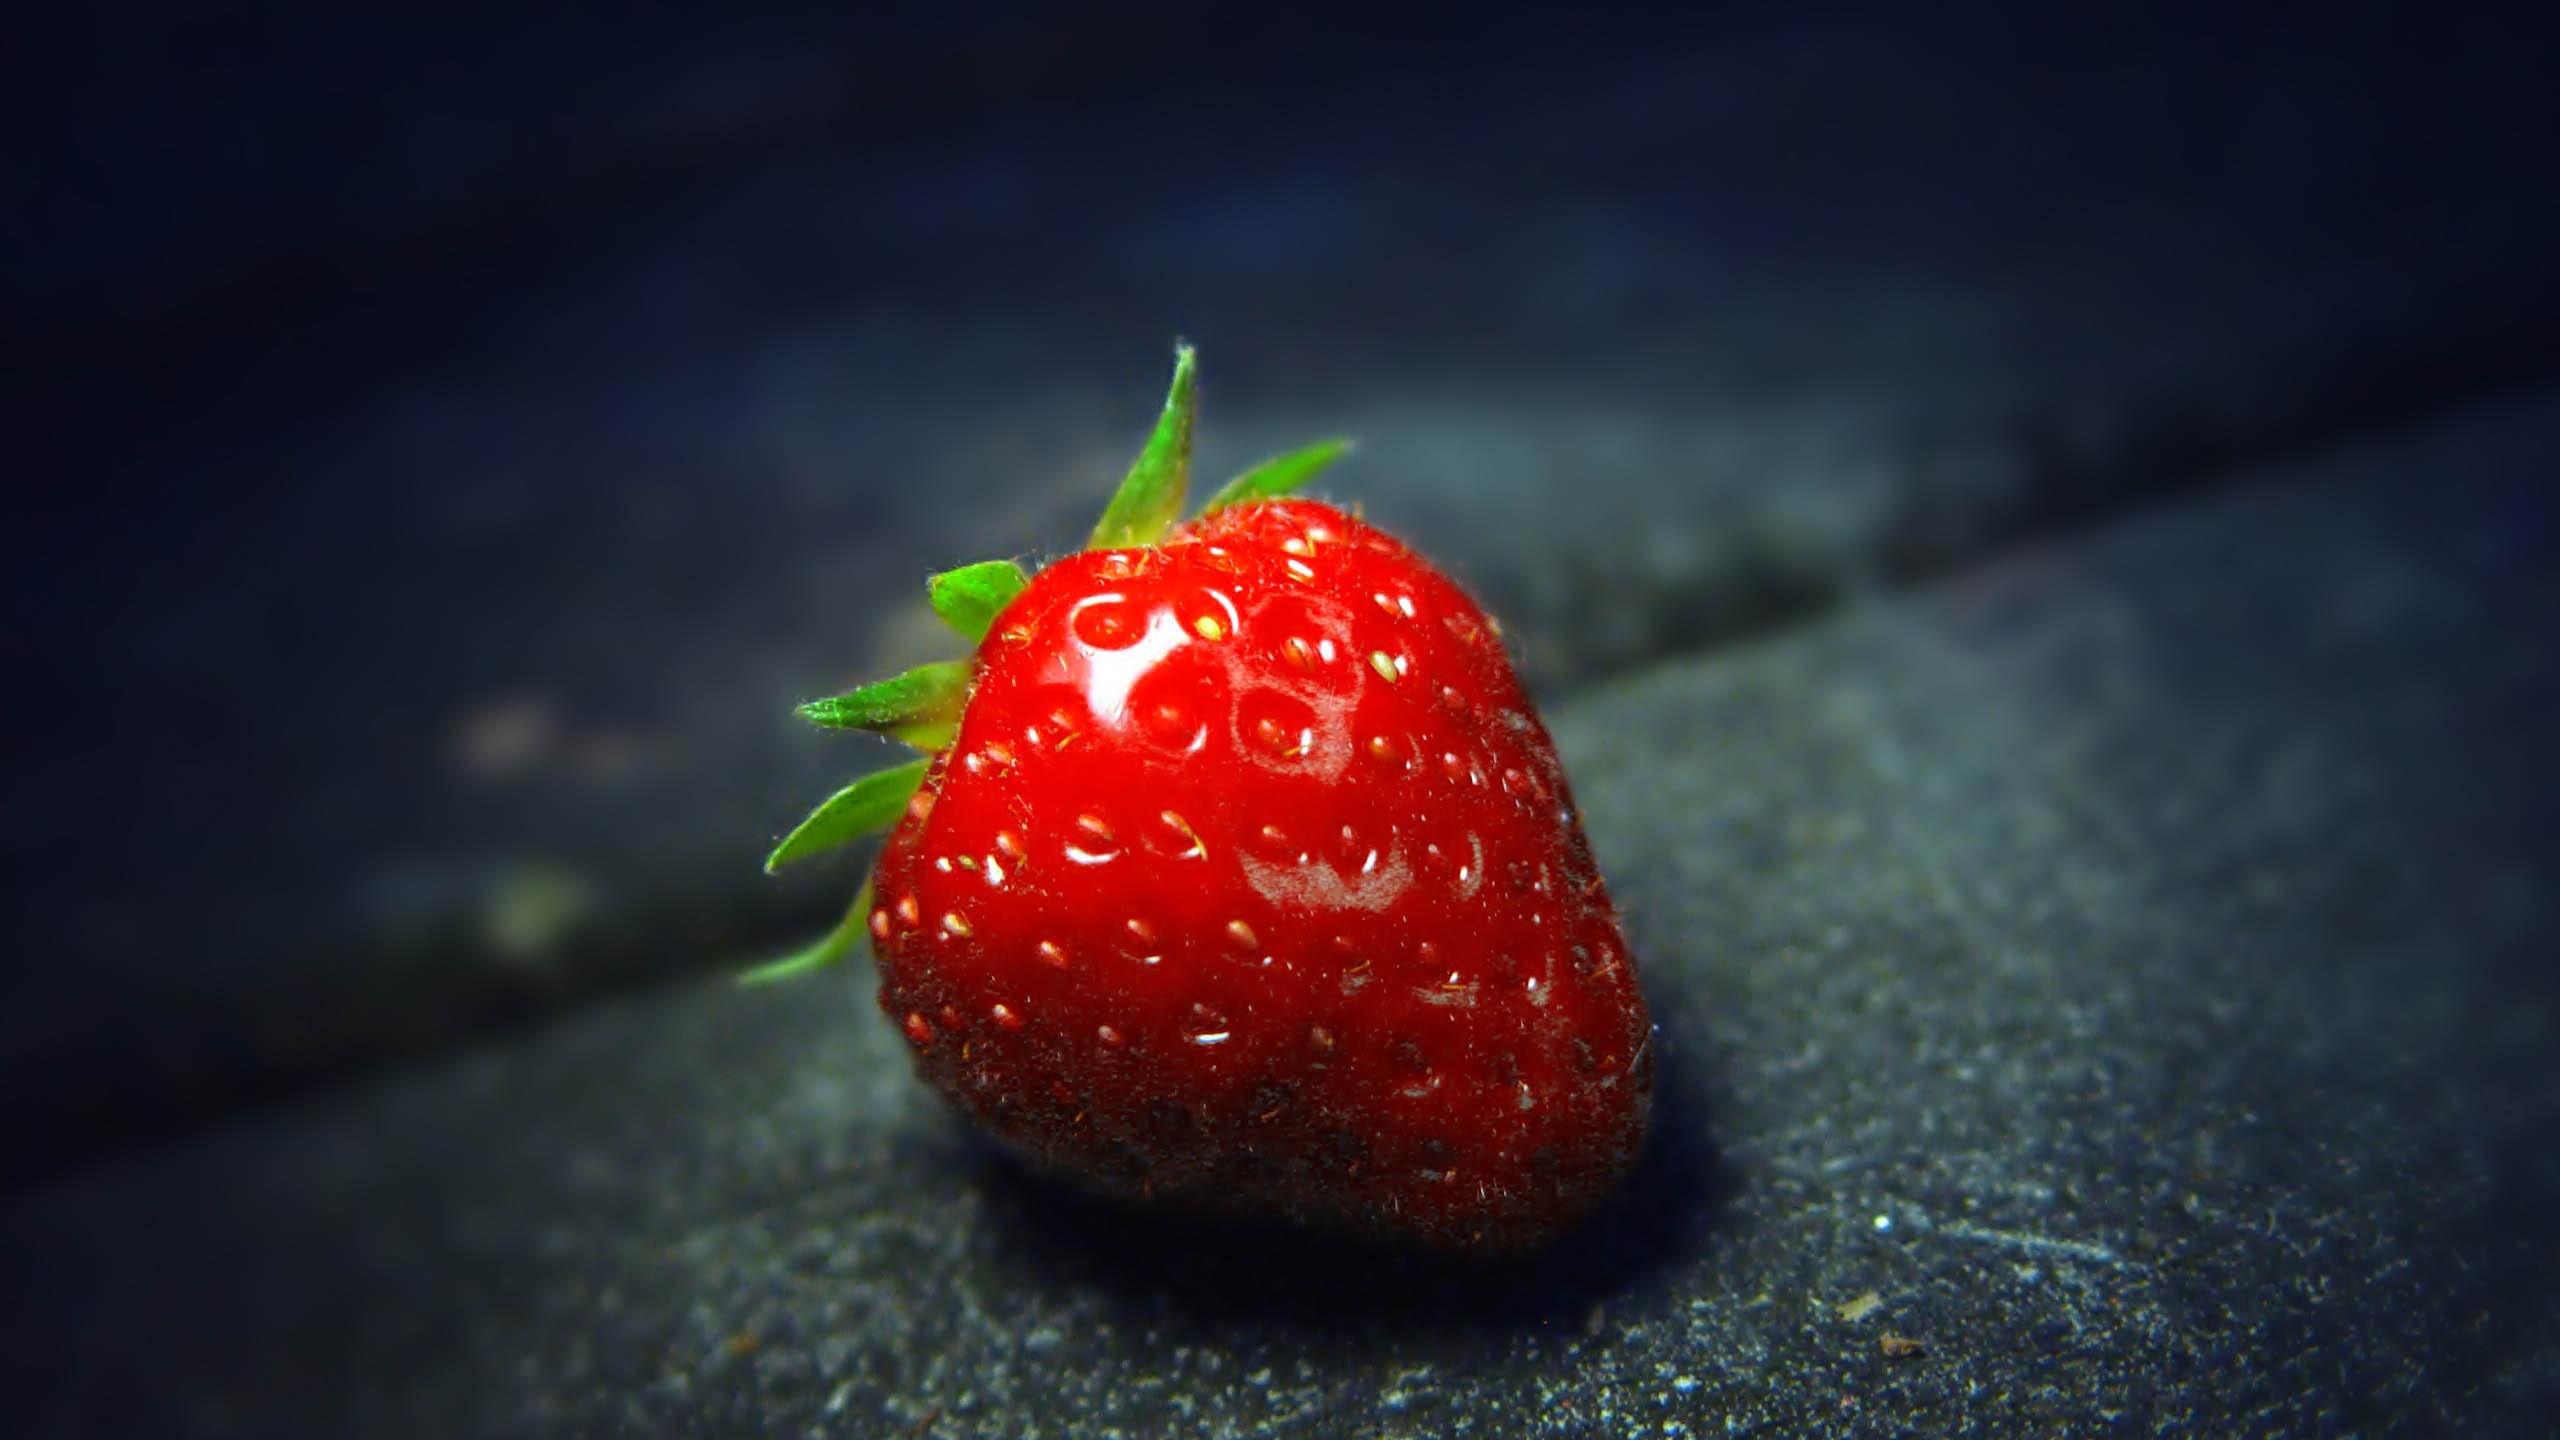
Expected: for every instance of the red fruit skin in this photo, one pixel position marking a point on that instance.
(1252, 884)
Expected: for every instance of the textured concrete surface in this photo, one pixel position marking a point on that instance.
(2123, 972)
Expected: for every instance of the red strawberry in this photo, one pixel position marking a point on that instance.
(1249, 880)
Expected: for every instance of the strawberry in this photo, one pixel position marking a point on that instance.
(1243, 877)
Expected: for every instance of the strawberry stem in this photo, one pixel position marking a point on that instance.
(1150, 499)
(969, 599)
(1280, 475)
(867, 806)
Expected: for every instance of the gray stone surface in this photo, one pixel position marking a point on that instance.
(2124, 971)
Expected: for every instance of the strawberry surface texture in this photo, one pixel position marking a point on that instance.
(1243, 877)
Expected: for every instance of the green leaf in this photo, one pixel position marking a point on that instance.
(867, 806)
(921, 707)
(1150, 499)
(1280, 475)
(818, 955)
(970, 598)
(928, 736)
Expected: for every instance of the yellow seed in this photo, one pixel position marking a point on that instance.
(1385, 667)
(1210, 628)
(1174, 819)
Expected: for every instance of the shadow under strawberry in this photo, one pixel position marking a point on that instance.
(1218, 1270)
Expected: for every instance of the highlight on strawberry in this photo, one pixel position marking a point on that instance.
(1240, 875)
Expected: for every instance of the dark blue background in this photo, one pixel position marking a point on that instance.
(443, 439)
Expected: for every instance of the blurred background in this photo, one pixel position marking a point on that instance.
(443, 440)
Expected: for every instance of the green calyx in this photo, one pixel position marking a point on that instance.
(922, 707)
(1149, 501)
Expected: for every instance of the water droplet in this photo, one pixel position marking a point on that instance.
(995, 871)
(1214, 1037)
